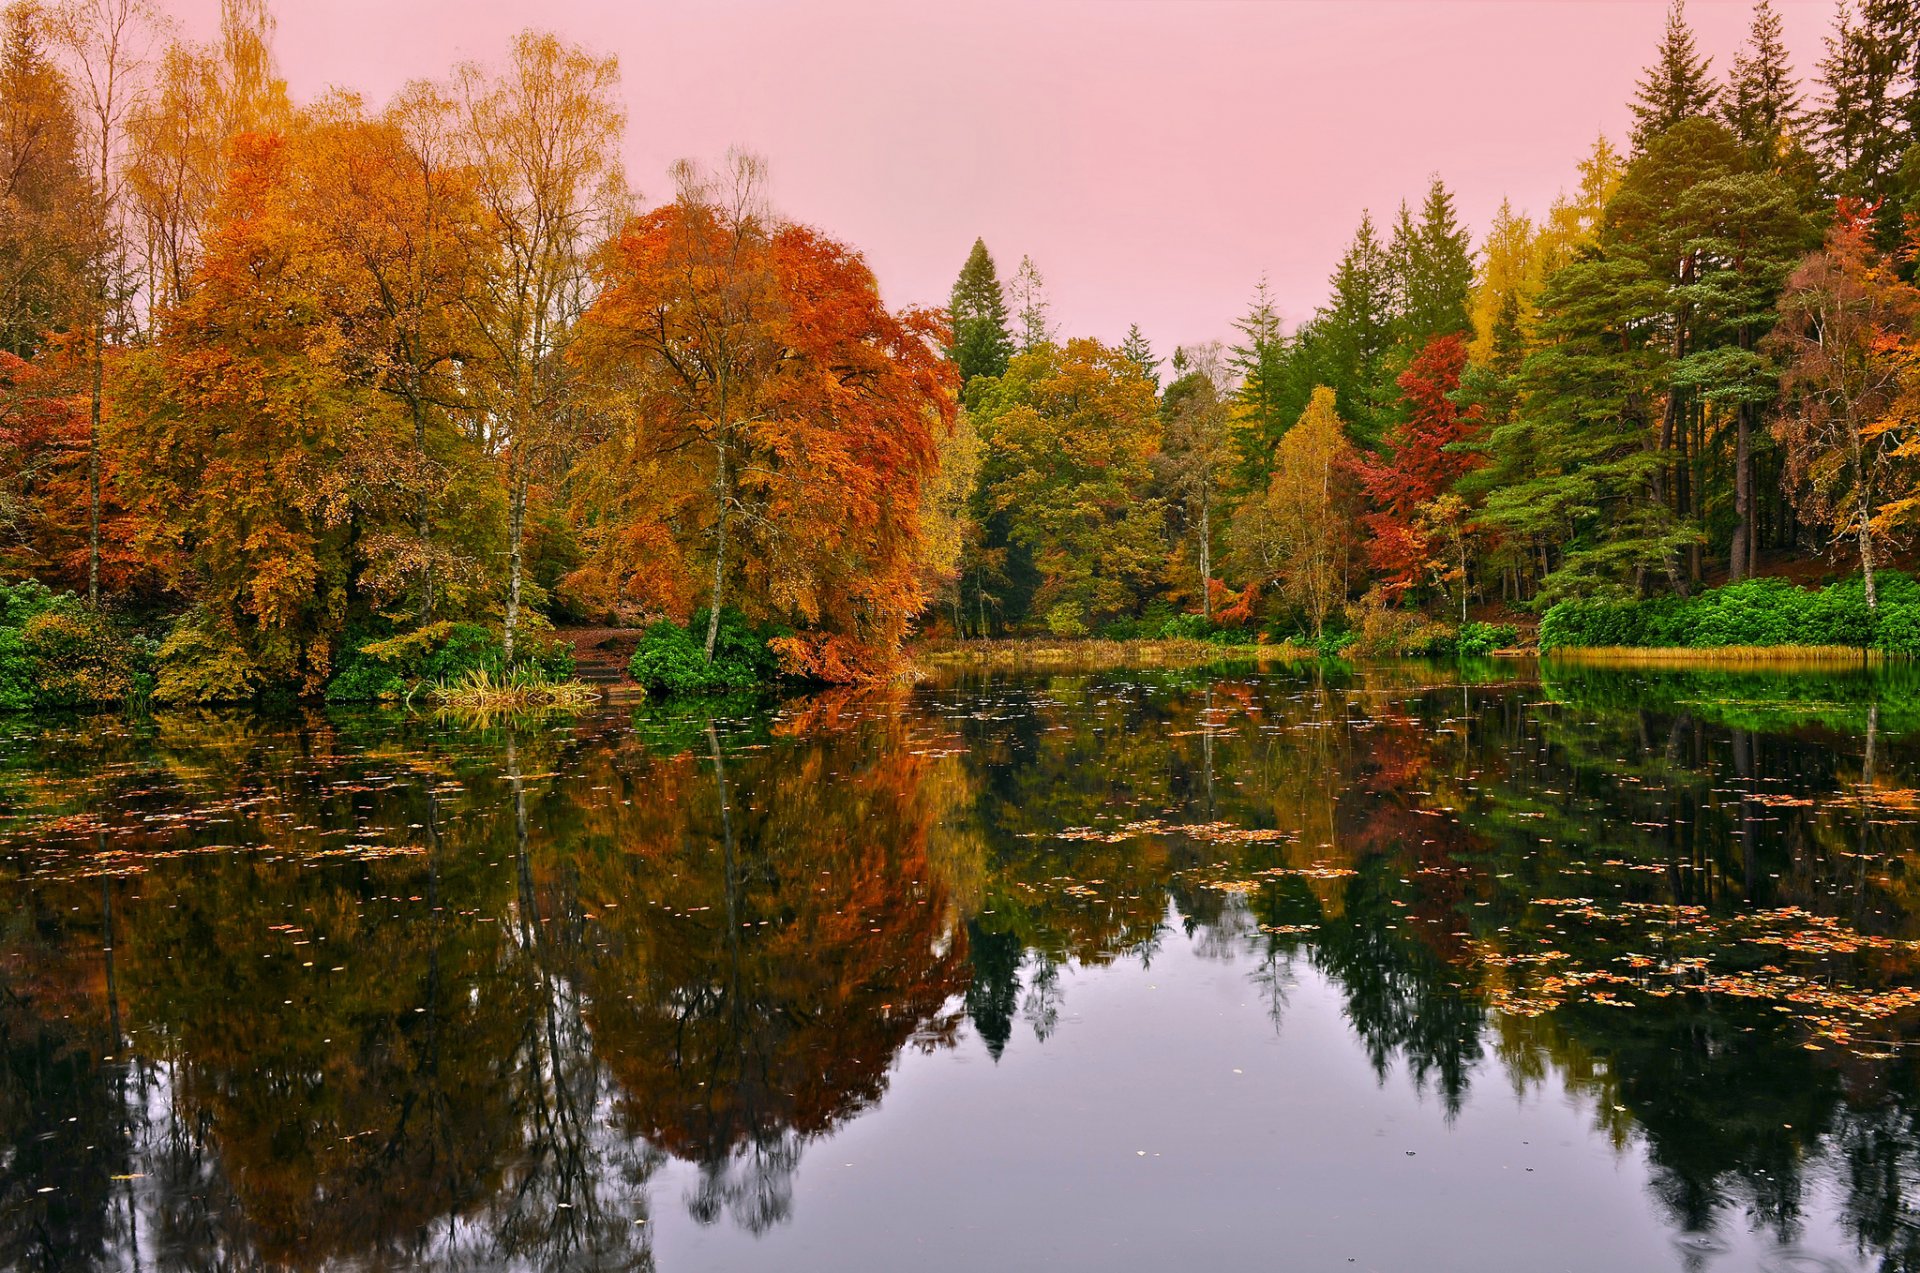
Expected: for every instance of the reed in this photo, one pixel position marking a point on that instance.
(520, 690)
(1095, 654)
(1782, 657)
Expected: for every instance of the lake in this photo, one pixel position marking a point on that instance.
(1388, 967)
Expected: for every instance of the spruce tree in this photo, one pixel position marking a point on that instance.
(1357, 330)
(1257, 360)
(1676, 86)
(1437, 276)
(978, 309)
(1870, 104)
(1762, 103)
(1137, 350)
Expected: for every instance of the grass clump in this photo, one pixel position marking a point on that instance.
(521, 689)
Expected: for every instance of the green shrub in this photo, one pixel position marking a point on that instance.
(1067, 620)
(1186, 627)
(55, 652)
(1478, 640)
(673, 660)
(1754, 612)
(443, 653)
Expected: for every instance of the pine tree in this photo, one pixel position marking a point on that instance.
(1139, 351)
(1762, 103)
(978, 311)
(1676, 86)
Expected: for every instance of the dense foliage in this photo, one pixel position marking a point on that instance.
(310, 389)
(671, 660)
(1754, 612)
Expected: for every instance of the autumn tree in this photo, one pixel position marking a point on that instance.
(1301, 535)
(1196, 451)
(1847, 402)
(253, 454)
(399, 250)
(108, 42)
(541, 140)
(1423, 457)
(177, 130)
(774, 427)
(44, 250)
(946, 522)
(1071, 434)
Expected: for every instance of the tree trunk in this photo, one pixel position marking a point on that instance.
(516, 531)
(719, 554)
(93, 460)
(1866, 555)
(421, 517)
(1206, 557)
(1740, 562)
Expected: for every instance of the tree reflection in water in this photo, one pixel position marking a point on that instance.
(406, 993)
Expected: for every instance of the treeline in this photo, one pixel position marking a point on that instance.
(1702, 361)
(288, 387)
(285, 387)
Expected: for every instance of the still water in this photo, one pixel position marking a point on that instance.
(1384, 968)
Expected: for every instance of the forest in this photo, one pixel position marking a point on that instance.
(334, 398)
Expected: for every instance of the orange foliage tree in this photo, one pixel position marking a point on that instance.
(259, 455)
(772, 427)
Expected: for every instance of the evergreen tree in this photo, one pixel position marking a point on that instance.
(1676, 86)
(1761, 103)
(1260, 415)
(1031, 306)
(1437, 275)
(1357, 328)
(1137, 350)
(978, 311)
(1870, 104)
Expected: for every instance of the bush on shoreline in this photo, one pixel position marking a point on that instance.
(443, 654)
(57, 653)
(672, 660)
(1754, 612)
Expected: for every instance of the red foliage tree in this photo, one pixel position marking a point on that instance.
(1421, 462)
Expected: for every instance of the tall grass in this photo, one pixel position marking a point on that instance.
(1783, 657)
(524, 689)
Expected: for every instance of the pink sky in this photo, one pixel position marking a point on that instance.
(1155, 157)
